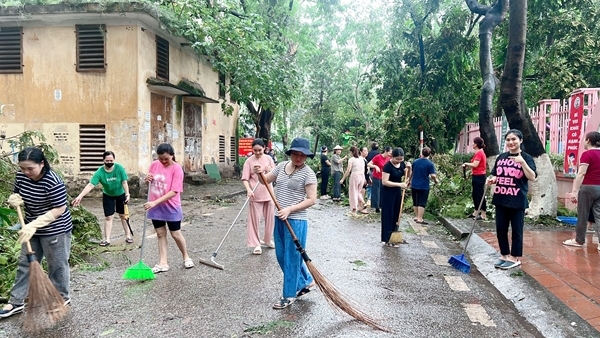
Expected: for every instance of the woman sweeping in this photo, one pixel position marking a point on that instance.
(391, 194)
(115, 194)
(511, 174)
(260, 201)
(48, 226)
(164, 204)
(478, 176)
(296, 192)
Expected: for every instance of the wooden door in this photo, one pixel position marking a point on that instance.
(192, 129)
(161, 121)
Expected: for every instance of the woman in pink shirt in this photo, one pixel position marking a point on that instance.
(260, 200)
(164, 204)
(478, 177)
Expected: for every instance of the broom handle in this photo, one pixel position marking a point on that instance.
(144, 228)
(299, 247)
(475, 219)
(22, 220)
(402, 200)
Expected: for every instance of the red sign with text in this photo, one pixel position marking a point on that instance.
(245, 146)
(573, 133)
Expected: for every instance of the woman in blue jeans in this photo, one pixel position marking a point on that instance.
(296, 192)
(47, 226)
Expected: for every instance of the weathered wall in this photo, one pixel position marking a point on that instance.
(51, 96)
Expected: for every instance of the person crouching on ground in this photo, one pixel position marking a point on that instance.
(511, 174)
(260, 201)
(115, 194)
(296, 192)
(164, 204)
(47, 227)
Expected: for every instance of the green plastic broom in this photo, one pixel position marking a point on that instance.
(141, 271)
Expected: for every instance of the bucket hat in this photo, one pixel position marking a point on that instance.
(300, 144)
(338, 147)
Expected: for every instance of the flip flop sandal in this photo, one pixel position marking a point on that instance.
(283, 303)
(159, 269)
(390, 245)
(305, 290)
(188, 263)
(104, 243)
(129, 240)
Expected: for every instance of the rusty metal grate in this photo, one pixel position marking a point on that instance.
(162, 58)
(232, 148)
(221, 149)
(11, 39)
(91, 48)
(92, 144)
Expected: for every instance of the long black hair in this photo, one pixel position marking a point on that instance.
(35, 155)
(165, 148)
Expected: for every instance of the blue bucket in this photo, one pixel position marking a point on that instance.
(567, 219)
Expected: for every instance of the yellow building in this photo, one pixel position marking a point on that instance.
(93, 79)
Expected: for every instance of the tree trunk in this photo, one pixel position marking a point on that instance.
(544, 191)
(266, 119)
(493, 16)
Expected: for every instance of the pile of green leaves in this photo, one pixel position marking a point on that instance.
(85, 224)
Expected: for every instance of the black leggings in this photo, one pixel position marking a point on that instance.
(514, 218)
(478, 183)
(325, 173)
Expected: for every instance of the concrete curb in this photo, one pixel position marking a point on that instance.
(551, 317)
(456, 230)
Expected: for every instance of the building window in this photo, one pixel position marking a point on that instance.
(221, 149)
(232, 148)
(91, 48)
(222, 85)
(162, 58)
(92, 144)
(11, 47)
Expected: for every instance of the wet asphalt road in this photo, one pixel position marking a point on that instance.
(403, 288)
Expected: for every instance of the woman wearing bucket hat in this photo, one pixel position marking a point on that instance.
(296, 192)
(337, 167)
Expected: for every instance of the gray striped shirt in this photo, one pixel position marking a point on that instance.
(290, 189)
(42, 196)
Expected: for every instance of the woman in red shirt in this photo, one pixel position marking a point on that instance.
(478, 177)
(586, 188)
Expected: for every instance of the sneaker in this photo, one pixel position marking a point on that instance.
(11, 309)
(509, 265)
(572, 242)
(499, 263)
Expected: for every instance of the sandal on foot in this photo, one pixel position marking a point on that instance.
(157, 269)
(257, 250)
(104, 243)
(283, 303)
(390, 245)
(128, 240)
(572, 242)
(188, 263)
(305, 290)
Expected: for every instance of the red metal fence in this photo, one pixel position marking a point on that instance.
(550, 118)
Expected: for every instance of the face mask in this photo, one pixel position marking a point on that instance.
(109, 165)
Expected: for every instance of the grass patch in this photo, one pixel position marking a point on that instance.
(269, 327)
(409, 231)
(517, 273)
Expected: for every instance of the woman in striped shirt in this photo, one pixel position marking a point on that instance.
(296, 192)
(48, 226)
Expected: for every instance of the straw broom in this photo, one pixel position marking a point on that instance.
(334, 297)
(45, 306)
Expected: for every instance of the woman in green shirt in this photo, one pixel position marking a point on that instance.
(115, 194)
